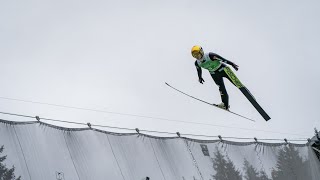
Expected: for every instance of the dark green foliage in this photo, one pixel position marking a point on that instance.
(5, 173)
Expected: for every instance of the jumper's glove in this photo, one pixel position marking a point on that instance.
(201, 80)
(236, 67)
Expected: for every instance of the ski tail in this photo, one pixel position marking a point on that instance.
(188, 94)
(253, 101)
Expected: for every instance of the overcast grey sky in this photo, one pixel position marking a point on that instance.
(116, 55)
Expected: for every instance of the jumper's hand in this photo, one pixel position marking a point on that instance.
(236, 67)
(201, 80)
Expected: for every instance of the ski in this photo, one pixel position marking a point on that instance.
(214, 105)
(255, 104)
(246, 93)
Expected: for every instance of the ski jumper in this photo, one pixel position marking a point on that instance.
(215, 64)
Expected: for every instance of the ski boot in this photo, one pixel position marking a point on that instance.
(221, 105)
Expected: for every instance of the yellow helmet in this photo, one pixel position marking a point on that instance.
(197, 52)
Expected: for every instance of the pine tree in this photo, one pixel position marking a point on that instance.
(225, 169)
(232, 172)
(290, 165)
(219, 165)
(252, 174)
(5, 173)
(263, 175)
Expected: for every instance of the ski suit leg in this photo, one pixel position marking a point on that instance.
(223, 92)
(229, 74)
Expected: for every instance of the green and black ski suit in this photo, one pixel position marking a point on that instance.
(215, 64)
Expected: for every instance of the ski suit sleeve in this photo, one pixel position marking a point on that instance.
(198, 69)
(214, 56)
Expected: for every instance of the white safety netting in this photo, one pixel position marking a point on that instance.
(38, 151)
